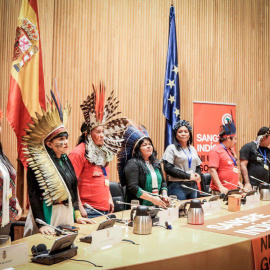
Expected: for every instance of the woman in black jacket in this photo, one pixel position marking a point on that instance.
(140, 170)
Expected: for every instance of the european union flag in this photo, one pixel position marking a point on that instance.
(171, 98)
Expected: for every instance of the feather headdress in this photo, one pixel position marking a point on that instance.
(228, 127)
(44, 128)
(133, 135)
(97, 112)
(260, 137)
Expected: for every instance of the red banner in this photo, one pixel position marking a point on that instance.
(261, 252)
(208, 117)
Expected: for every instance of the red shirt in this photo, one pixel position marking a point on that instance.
(226, 170)
(91, 180)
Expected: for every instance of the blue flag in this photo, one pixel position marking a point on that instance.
(171, 98)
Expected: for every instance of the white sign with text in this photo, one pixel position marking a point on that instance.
(14, 255)
(106, 238)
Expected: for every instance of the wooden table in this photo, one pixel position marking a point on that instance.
(180, 248)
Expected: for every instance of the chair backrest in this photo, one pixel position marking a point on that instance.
(205, 183)
(117, 193)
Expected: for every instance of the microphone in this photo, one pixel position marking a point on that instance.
(152, 208)
(258, 179)
(197, 190)
(41, 222)
(154, 194)
(92, 208)
(119, 202)
(233, 185)
(213, 196)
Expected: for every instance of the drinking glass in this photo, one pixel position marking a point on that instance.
(5, 241)
(173, 200)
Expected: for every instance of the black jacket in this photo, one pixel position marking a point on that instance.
(35, 193)
(135, 175)
(175, 172)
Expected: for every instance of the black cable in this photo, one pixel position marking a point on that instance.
(159, 226)
(84, 261)
(132, 242)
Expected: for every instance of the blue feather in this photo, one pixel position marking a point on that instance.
(59, 107)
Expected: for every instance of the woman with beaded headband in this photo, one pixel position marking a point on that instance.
(101, 139)
(10, 209)
(182, 163)
(52, 183)
(140, 170)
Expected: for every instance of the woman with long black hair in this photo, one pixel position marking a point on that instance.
(140, 170)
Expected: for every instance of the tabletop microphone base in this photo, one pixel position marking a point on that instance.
(55, 258)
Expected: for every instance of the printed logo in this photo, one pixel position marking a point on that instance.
(226, 118)
(26, 43)
(4, 256)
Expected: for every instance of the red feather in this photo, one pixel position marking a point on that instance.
(100, 101)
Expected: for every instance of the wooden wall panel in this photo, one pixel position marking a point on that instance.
(223, 54)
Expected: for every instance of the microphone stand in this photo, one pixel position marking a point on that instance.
(213, 197)
(41, 222)
(234, 185)
(258, 179)
(161, 196)
(151, 207)
(119, 202)
(92, 208)
(197, 190)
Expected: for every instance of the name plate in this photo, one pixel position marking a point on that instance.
(14, 255)
(251, 200)
(106, 238)
(170, 214)
(211, 207)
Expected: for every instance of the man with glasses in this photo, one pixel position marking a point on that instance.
(254, 159)
(223, 161)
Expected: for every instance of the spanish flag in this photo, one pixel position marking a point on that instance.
(26, 92)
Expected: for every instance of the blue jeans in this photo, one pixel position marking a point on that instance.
(92, 214)
(175, 188)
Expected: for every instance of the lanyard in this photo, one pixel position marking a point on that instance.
(264, 155)
(188, 156)
(104, 171)
(233, 159)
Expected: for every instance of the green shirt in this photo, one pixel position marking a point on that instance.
(148, 185)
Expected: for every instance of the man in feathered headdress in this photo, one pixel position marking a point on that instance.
(101, 139)
(223, 161)
(255, 159)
